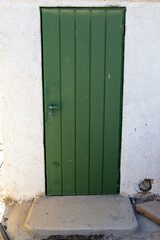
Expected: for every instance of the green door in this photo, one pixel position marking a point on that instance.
(83, 78)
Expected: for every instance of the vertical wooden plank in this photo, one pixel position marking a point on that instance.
(82, 100)
(51, 78)
(97, 99)
(113, 97)
(67, 35)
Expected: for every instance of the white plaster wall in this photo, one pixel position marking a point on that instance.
(141, 110)
(21, 94)
(21, 88)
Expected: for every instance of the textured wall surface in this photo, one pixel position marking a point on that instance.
(140, 157)
(21, 95)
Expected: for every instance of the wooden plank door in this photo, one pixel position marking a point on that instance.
(82, 52)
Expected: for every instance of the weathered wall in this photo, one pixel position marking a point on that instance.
(21, 92)
(141, 107)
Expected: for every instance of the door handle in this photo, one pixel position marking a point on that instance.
(53, 107)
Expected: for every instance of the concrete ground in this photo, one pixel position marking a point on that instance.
(14, 217)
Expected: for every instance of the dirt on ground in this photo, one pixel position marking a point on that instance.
(141, 198)
(81, 237)
(153, 236)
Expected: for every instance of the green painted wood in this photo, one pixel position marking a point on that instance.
(67, 36)
(82, 74)
(82, 100)
(97, 100)
(113, 99)
(51, 76)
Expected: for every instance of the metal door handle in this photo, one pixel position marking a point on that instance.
(53, 107)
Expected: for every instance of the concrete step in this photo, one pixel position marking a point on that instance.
(81, 215)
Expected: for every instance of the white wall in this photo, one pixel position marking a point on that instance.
(21, 92)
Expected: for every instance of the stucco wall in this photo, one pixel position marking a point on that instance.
(21, 95)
